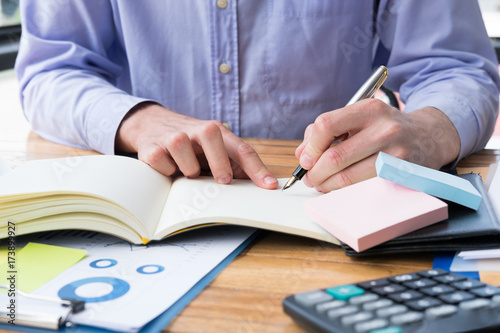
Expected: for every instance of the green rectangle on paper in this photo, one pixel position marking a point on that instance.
(36, 264)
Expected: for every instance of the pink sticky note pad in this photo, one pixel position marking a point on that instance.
(374, 211)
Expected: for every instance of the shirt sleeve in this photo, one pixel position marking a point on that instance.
(67, 76)
(440, 56)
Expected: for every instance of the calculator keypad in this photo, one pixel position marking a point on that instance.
(416, 302)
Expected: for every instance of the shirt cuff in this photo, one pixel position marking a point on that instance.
(105, 116)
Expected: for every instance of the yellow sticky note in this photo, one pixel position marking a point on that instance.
(36, 264)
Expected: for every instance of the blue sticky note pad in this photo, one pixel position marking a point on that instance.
(437, 183)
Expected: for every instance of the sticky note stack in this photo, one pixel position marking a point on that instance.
(402, 198)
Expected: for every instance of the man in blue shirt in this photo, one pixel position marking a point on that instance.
(160, 78)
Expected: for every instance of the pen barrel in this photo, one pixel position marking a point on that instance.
(370, 87)
(299, 172)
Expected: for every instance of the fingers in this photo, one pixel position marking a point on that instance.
(249, 162)
(307, 135)
(177, 151)
(359, 171)
(337, 125)
(321, 136)
(211, 141)
(363, 129)
(340, 157)
(224, 152)
(157, 158)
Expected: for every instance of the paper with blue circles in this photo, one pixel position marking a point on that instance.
(126, 286)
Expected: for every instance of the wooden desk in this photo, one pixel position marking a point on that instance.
(247, 295)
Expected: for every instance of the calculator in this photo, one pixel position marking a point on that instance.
(433, 300)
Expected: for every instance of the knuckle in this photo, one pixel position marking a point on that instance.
(313, 151)
(177, 141)
(342, 179)
(376, 108)
(335, 156)
(211, 129)
(153, 156)
(245, 151)
(375, 104)
(393, 132)
(323, 123)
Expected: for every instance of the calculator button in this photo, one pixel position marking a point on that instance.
(441, 311)
(381, 303)
(389, 289)
(371, 325)
(344, 311)
(486, 291)
(408, 295)
(422, 304)
(432, 272)
(474, 304)
(374, 283)
(450, 278)
(356, 318)
(345, 292)
(467, 284)
(456, 297)
(311, 298)
(392, 310)
(357, 300)
(422, 283)
(324, 307)
(496, 300)
(404, 278)
(407, 318)
(438, 290)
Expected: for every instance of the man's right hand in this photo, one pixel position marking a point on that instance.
(171, 142)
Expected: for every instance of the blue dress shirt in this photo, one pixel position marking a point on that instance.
(268, 68)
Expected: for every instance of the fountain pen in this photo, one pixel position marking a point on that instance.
(367, 90)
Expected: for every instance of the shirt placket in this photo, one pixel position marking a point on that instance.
(224, 56)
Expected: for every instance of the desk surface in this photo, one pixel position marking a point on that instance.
(247, 295)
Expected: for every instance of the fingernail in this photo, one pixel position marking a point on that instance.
(226, 179)
(270, 180)
(306, 161)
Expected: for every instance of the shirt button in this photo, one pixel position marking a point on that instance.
(226, 125)
(222, 4)
(224, 68)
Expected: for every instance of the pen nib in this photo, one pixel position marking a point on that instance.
(289, 183)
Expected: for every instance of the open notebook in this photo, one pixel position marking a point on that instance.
(125, 197)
